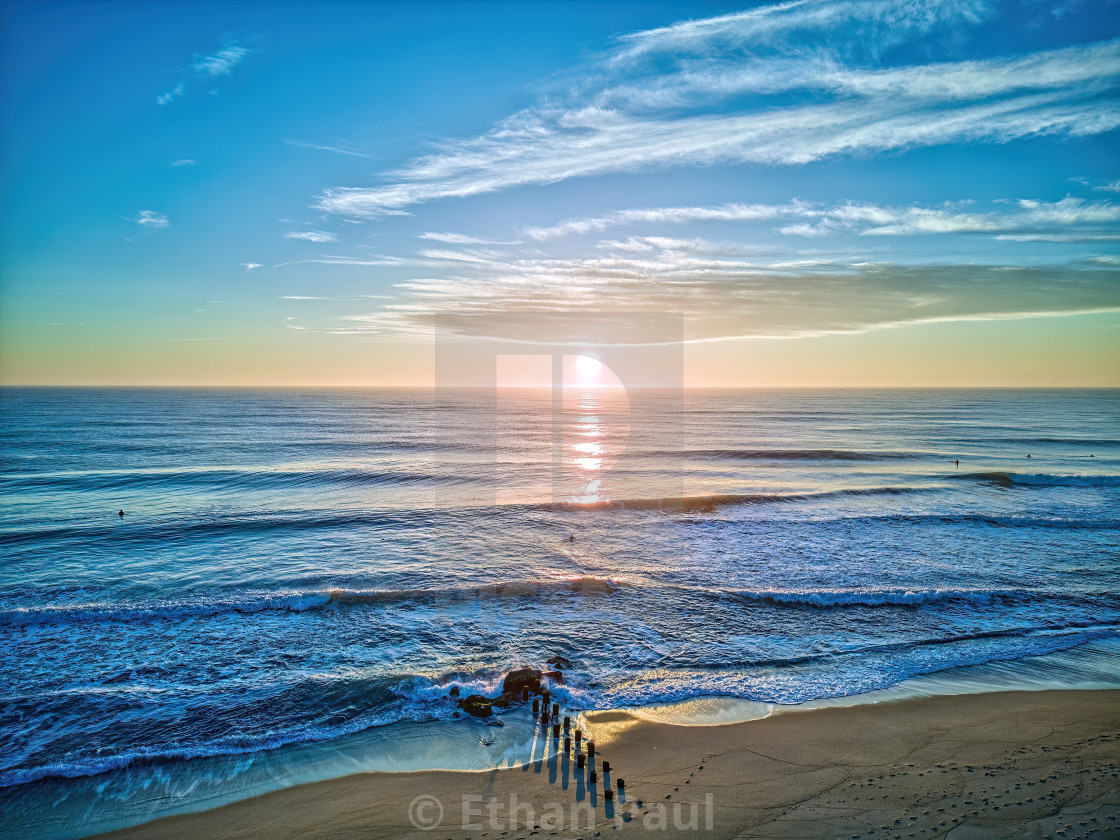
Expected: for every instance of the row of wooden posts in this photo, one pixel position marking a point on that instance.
(581, 759)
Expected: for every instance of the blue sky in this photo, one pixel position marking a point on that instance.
(268, 193)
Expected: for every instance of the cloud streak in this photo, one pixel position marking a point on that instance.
(463, 239)
(727, 292)
(311, 235)
(220, 63)
(206, 67)
(151, 220)
(742, 89)
(802, 218)
(338, 150)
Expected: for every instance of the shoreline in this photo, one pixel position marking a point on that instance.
(1003, 764)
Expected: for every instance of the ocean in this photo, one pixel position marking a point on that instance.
(301, 577)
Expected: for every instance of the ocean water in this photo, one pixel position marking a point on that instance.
(300, 576)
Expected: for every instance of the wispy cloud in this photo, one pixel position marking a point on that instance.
(804, 218)
(463, 239)
(1113, 187)
(339, 149)
(311, 235)
(151, 220)
(206, 67)
(185, 162)
(726, 292)
(669, 215)
(884, 24)
(220, 63)
(1036, 217)
(1060, 237)
(784, 85)
(250, 266)
(171, 95)
(372, 260)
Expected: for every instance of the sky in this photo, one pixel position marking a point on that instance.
(824, 192)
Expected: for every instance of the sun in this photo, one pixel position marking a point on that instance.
(588, 369)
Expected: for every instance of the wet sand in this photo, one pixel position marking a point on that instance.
(1013, 764)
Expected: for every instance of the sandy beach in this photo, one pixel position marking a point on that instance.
(1014, 764)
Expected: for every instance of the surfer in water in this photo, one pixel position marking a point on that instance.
(120, 513)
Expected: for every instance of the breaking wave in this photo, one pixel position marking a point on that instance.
(296, 602)
(711, 502)
(799, 455)
(1009, 479)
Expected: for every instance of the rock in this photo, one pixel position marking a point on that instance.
(476, 705)
(454, 692)
(558, 662)
(519, 680)
(555, 676)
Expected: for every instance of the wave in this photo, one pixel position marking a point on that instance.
(419, 699)
(711, 502)
(220, 479)
(212, 525)
(963, 651)
(991, 520)
(1021, 521)
(384, 701)
(798, 455)
(1085, 627)
(140, 756)
(220, 526)
(1067, 441)
(296, 602)
(1010, 479)
(825, 599)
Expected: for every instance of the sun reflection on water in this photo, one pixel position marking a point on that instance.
(595, 432)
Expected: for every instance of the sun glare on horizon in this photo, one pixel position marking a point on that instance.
(588, 370)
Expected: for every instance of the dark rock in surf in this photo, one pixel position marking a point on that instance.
(555, 676)
(558, 662)
(477, 705)
(454, 692)
(523, 679)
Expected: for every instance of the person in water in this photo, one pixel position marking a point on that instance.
(958, 463)
(120, 513)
